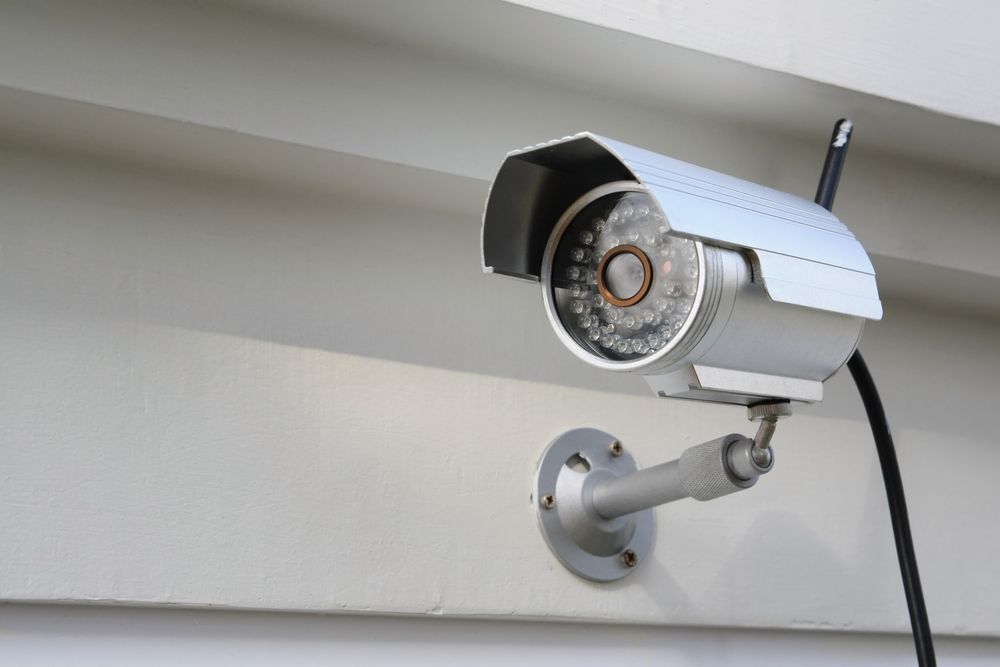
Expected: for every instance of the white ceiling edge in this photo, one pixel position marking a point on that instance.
(602, 47)
(75, 130)
(942, 56)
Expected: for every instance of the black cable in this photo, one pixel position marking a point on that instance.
(922, 638)
(897, 509)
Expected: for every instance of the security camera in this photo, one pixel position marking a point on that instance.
(711, 287)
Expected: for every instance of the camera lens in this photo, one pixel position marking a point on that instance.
(622, 285)
(624, 275)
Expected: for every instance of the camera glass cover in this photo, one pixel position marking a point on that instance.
(622, 285)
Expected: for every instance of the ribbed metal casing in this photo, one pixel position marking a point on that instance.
(786, 287)
(804, 255)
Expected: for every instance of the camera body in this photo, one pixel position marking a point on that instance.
(711, 287)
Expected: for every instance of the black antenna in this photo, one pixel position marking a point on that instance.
(825, 193)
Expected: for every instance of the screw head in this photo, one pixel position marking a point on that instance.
(548, 501)
(616, 448)
(629, 558)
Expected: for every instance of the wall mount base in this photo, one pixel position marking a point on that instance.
(585, 542)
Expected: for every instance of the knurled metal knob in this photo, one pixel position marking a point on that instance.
(756, 413)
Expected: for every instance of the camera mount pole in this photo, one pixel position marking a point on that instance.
(594, 505)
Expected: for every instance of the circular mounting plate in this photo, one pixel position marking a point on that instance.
(588, 544)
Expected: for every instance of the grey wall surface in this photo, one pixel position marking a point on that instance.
(248, 359)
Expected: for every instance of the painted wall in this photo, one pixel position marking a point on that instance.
(225, 396)
(42, 636)
(934, 54)
(249, 361)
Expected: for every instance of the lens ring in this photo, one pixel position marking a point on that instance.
(552, 284)
(647, 276)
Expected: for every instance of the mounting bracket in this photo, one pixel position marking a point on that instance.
(594, 505)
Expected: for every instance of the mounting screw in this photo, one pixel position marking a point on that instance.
(616, 448)
(629, 558)
(548, 501)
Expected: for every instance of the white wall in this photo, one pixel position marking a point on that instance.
(229, 378)
(217, 395)
(935, 54)
(51, 635)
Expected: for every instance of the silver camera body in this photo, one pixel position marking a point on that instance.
(774, 293)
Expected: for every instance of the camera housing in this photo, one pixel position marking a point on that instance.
(711, 287)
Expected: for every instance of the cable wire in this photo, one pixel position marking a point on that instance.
(825, 193)
(897, 509)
